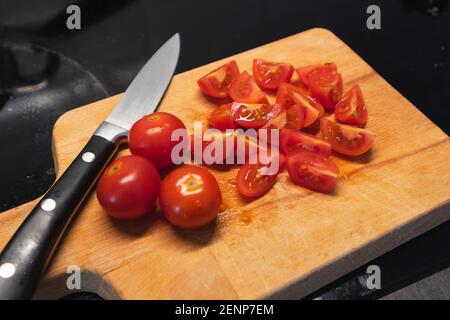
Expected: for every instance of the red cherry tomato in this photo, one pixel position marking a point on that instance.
(295, 117)
(292, 141)
(289, 95)
(269, 75)
(129, 187)
(253, 180)
(346, 139)
(284, 94)
(217, 83)
(312, 171)
(324, 83)
(150, 137)
(351, 109)
(244, 89)
(256, 116)
(220, 118)
(305, 72)
(205, 147)
(190, 197)
(311, 108)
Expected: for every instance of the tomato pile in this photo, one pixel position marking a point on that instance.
(189, 196)
(318, 92)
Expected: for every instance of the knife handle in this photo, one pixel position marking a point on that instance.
(26, 255)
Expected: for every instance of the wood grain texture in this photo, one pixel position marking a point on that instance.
(296, 240)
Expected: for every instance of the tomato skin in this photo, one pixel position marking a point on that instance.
(128, 188)
(269, 75)
(220, 118)
(295, 117)
(284, 94)
(326, 87)
(313, 171)
(346, 139)
(289, 95)
(292, 141)
(190, 197)
(251, 181)
(351, 109)
(255, 115)
(150, 137)
(304, 73)
(217, 83)
(244, 89)
(312, 109)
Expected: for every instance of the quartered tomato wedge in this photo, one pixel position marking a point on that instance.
(313, 171)
(305, 72)
(284, 94)
(269, 75)
(289, 94)
(291, 118)
(217, 83)
(254, 181)
(346, 139)
(325, 86)
(208, 147)
(220, 118)
(244, 89)
(311, 108)
(295, 117)
(255, 115)
(292, 141)
(351, 109)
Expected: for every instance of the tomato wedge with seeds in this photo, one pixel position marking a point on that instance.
(284, 94)
(346, 139)
(295, 117)
(325, 86)
(257, 115)
(291, 118)
(269, 75)
(244, 89)
(220, 118)
(289, 95)
(305, 72)
(311, 108)
(253, 180)
(292, 141)
(217, 83)
(313, 171)
(351, 109)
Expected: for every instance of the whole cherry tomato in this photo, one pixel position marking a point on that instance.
(129, 187)
(190, 197)
(150, 137)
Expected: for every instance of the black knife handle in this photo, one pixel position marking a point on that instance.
(26, 255)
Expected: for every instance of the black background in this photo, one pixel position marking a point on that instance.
(46, 69)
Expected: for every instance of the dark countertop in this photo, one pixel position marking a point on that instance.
(46, 70)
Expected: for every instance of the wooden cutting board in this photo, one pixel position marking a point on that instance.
(283, 245)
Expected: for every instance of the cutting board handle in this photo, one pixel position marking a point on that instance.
(26, 255)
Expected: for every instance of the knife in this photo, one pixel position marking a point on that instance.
(25, 257)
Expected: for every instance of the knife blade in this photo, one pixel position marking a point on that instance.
(26, 255)
(145, 91)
